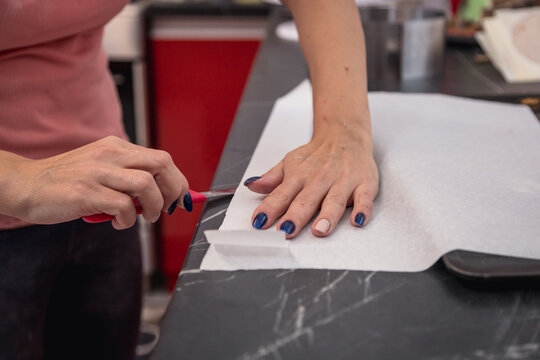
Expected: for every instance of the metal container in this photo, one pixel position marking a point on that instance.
(403, 42)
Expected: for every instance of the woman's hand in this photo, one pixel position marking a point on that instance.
(329, 173)
(336, 168)
(101, 177)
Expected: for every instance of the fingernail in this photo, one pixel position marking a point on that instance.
(322, 226)
(172, 207)
(188, 203)
(359, 219)
(259, 220)
(157, 217)
(251, 179)
(288, 226)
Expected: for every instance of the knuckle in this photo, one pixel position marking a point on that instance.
(290, 155)
(327, 168)
(107, 150)
(307, 202)
(294, 157)
(365, 196)
(99, 173)
(298, 174)
(78, 194)
(273, 208)
(347, 173)
(163, 158)
(143, 181)
(125, 204)
(81, 190)
(280, 197)
(113, 141)
(336, 200)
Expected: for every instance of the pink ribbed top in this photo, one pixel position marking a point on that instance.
(56, 93)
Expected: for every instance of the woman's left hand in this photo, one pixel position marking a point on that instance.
(329, 173)
(336, 168)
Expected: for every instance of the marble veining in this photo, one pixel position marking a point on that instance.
(204, 281)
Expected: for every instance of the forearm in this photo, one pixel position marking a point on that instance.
(9, 191)
(332, 40)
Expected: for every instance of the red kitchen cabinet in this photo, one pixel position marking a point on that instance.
(198, 68)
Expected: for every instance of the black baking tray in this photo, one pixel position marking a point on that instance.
(473, 265)
(479, 266)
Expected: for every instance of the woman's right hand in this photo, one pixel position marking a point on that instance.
(101, 177)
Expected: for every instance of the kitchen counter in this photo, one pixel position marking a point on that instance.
(318, 314)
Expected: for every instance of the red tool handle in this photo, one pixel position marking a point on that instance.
(196, 197)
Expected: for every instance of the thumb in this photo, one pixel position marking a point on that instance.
(266, 183)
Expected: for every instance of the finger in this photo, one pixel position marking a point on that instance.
(363, 205)
(117, 204)
(275, 204)
(303, 208)
(266, 183)
(138, 184)
(332, 210)
(171, 182)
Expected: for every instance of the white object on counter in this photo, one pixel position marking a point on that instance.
(265, 239)
(287, 31)
(510, 39)
(455, 174)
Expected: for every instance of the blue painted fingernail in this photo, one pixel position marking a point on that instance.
(172, 207)
(288, 226)
(251, 179)
(188, 203)
(359, 219)
(259, 220)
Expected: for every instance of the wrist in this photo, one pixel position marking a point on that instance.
(344, 130)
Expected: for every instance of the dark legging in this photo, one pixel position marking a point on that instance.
(69, 291)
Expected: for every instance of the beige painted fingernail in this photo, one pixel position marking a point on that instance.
(322, 226)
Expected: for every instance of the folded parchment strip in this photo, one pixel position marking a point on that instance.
(455, 174)
(265, 239)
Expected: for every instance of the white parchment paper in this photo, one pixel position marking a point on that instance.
(455, 174)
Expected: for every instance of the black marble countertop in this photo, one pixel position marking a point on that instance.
(318, 314)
